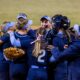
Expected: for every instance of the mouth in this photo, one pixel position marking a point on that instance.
(46, 26)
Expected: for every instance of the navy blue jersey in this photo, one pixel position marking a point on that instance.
(1, 53)
(24, 39)
(32, 33)
(41, 60)
(25, 43)
(59, 41)
(5, 38)
(38, 69)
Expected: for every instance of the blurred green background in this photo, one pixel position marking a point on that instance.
(37, 8)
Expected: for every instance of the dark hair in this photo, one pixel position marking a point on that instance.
(61, 21)
(21, 26)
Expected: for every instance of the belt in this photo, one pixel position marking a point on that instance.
(34, 66)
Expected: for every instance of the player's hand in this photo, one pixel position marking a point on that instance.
(65, 46)
(50, 47)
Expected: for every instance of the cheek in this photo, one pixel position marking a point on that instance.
(48, 24)
(42, 24)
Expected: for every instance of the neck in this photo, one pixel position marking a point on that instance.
(60, 31)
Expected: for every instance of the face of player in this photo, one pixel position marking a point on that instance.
(12, 28)
(45, 24)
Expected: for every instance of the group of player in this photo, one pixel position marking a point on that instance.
(51, 51)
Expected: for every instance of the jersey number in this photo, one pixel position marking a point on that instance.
(41, 56)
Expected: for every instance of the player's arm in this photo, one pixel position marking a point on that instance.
(67, 53)
(1, 42)
(4, 38)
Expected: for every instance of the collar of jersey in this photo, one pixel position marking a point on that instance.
(19, 35)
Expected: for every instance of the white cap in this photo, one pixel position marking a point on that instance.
(76, 28)
(23, 15)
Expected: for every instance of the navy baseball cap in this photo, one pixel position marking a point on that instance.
(45, 17)
(22, 15)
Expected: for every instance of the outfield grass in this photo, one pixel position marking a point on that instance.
(37, 8)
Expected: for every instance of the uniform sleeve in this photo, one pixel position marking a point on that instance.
(32, 33)
(55, 42)
(69, 52)
(5, 38)
(58, 42)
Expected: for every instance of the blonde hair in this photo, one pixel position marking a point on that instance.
(38, 44)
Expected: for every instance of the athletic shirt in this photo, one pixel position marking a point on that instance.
(25, 44)
(41, 60)
(1, 53)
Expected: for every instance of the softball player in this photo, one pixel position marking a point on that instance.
(38, 70)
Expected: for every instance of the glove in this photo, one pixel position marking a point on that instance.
(12, 53)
